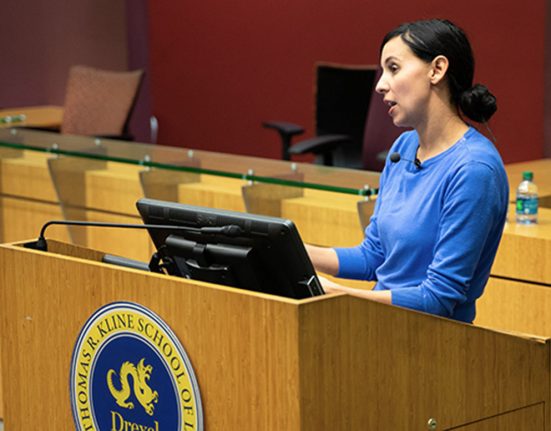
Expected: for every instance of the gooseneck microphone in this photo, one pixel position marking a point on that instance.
(228, 230)
(396, 157)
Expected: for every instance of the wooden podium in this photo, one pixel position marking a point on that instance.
(333, 362)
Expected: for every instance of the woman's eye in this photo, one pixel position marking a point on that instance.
(393, 68)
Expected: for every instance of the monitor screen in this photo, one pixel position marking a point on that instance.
(253, 252)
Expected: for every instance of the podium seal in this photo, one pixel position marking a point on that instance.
(130, 372)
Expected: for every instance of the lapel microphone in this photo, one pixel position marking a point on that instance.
(396, 157)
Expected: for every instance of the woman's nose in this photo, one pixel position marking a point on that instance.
(382, 86)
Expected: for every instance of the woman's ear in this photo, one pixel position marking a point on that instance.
(439, 67)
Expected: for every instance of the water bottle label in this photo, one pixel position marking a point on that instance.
(527, 206)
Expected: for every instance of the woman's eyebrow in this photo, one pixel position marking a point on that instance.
(389, 59)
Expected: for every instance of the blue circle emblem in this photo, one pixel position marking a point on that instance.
(129, 371)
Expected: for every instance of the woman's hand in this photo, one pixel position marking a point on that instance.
(330, 286)
(384, 296)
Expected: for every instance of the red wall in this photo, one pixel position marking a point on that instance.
(42, 40)
(219, 68)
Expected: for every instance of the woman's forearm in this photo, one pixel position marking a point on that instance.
(324, 259)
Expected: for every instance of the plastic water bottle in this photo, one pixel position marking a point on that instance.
(527, 200)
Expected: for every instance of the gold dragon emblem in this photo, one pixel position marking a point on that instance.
(140, 375)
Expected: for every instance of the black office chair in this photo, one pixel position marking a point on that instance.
(342, 99)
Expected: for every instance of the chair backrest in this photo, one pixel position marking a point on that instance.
(342, 97)
(99, 102)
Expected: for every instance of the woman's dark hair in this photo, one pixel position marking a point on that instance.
(431, 38)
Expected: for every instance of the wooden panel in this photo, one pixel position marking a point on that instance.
(68, 175)
(36, 116)
(163, 185)
(215, 192)
(131, 243)
(115, 189)
(324, 218)
(333, 362)
(28, 177)
(365, 211)
(22, 219)
(266, 199)
(529, 418)
(525, 250)
(515, 306)
(65, 249)
(106, 186)
(1, 390)
(25, 174)
(395, 369)
(245, 362)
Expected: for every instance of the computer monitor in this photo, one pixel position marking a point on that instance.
(248, 251)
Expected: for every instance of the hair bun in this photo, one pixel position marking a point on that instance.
(477, 103)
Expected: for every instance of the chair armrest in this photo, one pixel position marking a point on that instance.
(319, 144)
(283, 127)
(323, 145)
(286, 132)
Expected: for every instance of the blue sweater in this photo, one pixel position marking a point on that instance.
(434, 233)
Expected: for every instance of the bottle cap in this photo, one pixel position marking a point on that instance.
(527, 176)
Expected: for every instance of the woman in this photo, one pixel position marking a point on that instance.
(442, 202)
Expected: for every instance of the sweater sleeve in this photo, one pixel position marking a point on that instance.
(470, 211)
(362, 261)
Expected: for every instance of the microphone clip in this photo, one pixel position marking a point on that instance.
(396, 157)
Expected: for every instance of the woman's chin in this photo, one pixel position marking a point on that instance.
(401, 122)
(398, 123)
